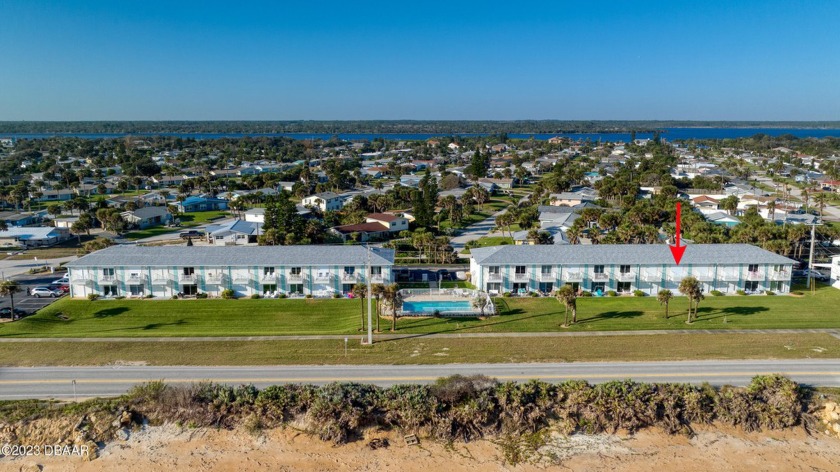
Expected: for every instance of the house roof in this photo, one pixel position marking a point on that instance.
(194, 199)
(236, 226)
(30, 233)
(383, 217)
(148, 212)
(362, 228)
(644, 254)
(704, 198)
(168, 256)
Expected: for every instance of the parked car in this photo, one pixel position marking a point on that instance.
(39, 292)
(6, 312)
(815, 274)
(62, 281)
(63, 288)
(192, 234)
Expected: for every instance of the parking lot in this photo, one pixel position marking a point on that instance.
(32, 304)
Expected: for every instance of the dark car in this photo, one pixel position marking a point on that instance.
(64, 288)
(191, 234)
(7, 312)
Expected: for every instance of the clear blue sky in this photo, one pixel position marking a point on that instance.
(153, 60)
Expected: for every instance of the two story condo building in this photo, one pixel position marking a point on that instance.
(139, 271)
(628, 267)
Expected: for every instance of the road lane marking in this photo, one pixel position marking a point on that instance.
(411, 378)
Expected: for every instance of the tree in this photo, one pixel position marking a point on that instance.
(729, 204)
(690, 287)
(664, 298)
(394, 297)
(480, 195)
(377, 291)
(480, 302)
(360, 292)
(54, 210)
(568, 297)
(8, 288)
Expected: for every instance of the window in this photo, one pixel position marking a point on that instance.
(545, 270)
(376, 271)
(494, 288)
(296, 288)
(751, 286)
(598, 269)
(546, 287)
(776, 286)
(295, 271)
(108, 272)
(110, 290)
(598, 288)
(346, 288)
(520, 270)
(268, 271)
(520, 288)
(624, 269)
(269, 288)
(623, 287)
(135, 290)
(351, 270)
(493, 270)
(753, 268)
(189, 270)
(778, 268)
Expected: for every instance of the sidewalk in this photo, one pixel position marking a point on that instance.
(388, 336)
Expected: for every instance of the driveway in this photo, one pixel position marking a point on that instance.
(474, 231)
(830, 213)
(27, 303)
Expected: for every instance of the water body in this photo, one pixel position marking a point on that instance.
(672, 134)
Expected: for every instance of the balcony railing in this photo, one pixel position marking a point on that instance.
(780, 275)
(491, 277)
(323, 277)
(214, 278)
(295, 278)
(729, 276)
(81, 278)
(107, 278)
(136, 279)
(572, 276)
(521, 276)
(377, 278)
(626, 276)
(755, 275)
(241, 278)
(704, 276)
(547, 277)
(269, 277)
(651, 276)
(188, 278)
(600, 276)
(161, 279)
(350, 277)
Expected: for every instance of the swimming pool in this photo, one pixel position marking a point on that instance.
(441, 306)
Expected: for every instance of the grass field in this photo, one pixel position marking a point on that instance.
(188, 220)
(216, 317)
(427, 350)
(67, 248)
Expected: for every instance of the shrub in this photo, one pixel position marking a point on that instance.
(611, 293)
(119, 297)
(282, 295)
(506, 294)
(228, 294)
(203, 295)
(149, 296)
(769, 292)
(174, 297)
(716, 293)
(92, 296)
(308, 295)
(741, 292)
(586, 293)
(638, 293)
(255, 296)
(337, 295)
(534, 294)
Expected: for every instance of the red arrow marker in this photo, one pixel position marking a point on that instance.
(677, 250)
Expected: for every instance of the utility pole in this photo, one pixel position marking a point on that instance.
(812, 282)
(369, 297)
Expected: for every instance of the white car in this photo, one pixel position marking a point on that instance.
(39, 292)
(62, 281)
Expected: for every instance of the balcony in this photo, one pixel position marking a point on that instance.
(135, 279)
(295, 278)
(161, 279)
(243, 278)
(626, 276)
(350, 277)
(494, 277)
(215, 279)
(187, 278)
(651, 276)
(323, 277)
(572, 276)
(521, 277)
(600, 276)
(705, 276)
(107, 278)
(779, 275)
(755, 275)
(547, 277)
(676, 276)
(81, 278)
(269, 277)
(377, 278)
(728, 276)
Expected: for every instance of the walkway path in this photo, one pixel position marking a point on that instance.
(383, 336)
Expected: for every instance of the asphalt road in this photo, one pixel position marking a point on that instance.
(57, 382)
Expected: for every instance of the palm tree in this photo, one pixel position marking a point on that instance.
(377, 290)
(567, 296)
(771, 210)
(820, 200)
(394, 297)
(690, 287)
(360, 292)
(10, 288)
(664, 298)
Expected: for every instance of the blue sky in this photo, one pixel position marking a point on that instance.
(149, 60)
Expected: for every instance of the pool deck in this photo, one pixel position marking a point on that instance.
(443, 297)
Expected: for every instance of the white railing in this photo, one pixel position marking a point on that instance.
(520, 276)
(726, 275)
(648, 276)
(190, 278)
(81, 278)
(161, 278)
(704, 276)
(572, 276)
(547, 277)
(296, 278)
(136, 278)
(243, 278)
(600, 276)
(377, 278)
(780, 275)
(214, 278)
(350, 277)
(323, 277)
(107, 278)
(494, 277)
(626, 276)
(755, 275)
(269, 277)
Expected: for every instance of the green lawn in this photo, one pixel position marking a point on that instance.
(215, 317)
(427, 350)
(188, 220)
(489, 241)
